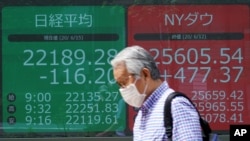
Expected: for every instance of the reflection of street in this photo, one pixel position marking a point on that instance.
(118, 111)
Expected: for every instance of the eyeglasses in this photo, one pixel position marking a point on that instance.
(126, 81)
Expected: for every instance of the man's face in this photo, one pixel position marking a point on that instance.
(121, 75)
(124, 78)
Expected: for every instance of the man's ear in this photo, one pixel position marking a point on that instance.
(146, 73)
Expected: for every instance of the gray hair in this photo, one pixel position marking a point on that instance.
(136, 58)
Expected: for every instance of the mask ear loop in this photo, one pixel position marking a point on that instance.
(136, 78)
(145, 89)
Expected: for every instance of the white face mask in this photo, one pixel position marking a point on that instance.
(132, 96)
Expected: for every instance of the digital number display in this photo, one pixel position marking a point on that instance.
(202, 51)
(56, 68)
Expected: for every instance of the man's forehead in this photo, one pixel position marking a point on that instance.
(120, 71)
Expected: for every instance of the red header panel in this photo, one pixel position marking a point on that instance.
(202, 51)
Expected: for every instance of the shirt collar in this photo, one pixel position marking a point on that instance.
(153, 98)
